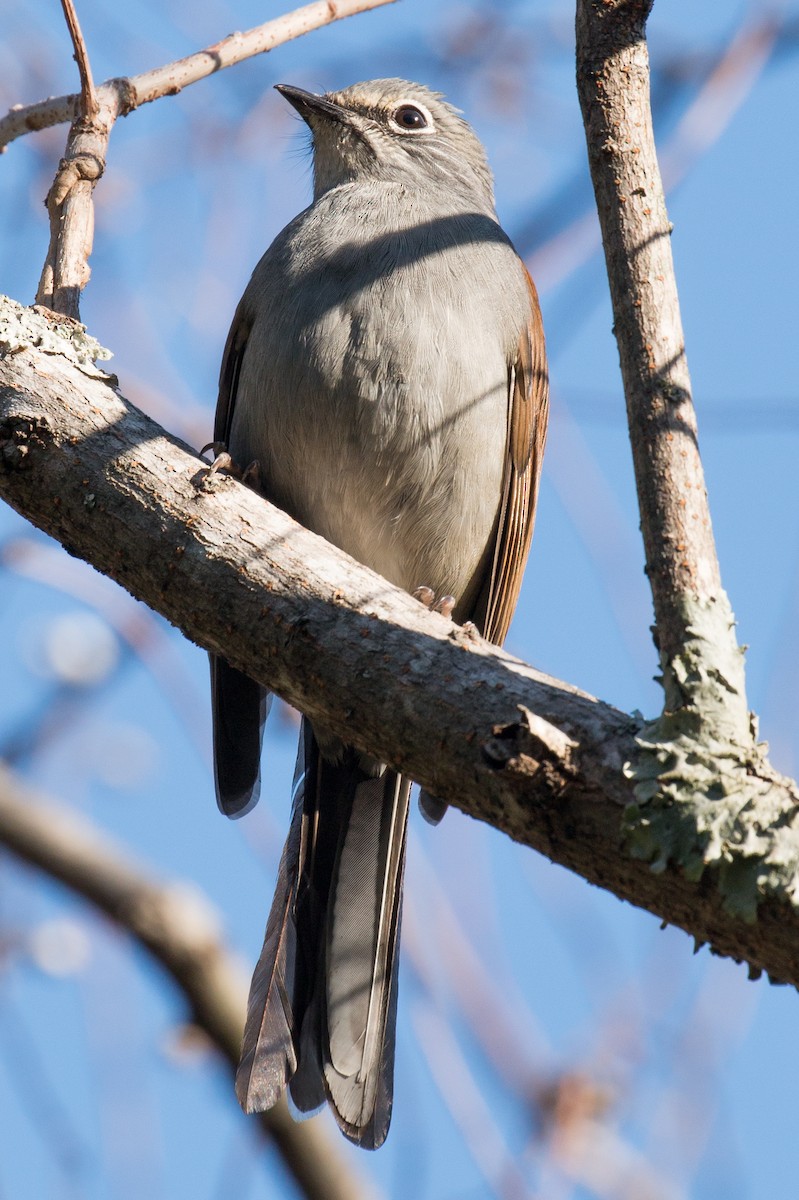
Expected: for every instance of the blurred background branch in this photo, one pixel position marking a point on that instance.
(176, 924)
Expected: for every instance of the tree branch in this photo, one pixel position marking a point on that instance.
(69, 205)
(69, 201)
(178, 927)
(681, 562)
(702, 793)
(133, 91)
(538, 759)
(88, 95)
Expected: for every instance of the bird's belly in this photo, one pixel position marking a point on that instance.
(416, 509)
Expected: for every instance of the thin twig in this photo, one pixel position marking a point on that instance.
(69, 200)
(88, 96)
(176, 924)
(69, 205)
(168, 80)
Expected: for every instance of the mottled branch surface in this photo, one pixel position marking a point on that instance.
(177, 925)
(70, 208)
(536, 758)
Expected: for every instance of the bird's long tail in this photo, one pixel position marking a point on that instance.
(322, 1008)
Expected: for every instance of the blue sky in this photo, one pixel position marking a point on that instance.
(697, 1063)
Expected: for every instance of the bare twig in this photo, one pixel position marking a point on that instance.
(176, 924)
(170, 79)
(88, 96)
(69, 204)
(69, 200)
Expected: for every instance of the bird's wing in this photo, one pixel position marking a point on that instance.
(230, 372)
(528, 413)
(239, 705)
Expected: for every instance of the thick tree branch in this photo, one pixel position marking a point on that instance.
(178, 927)
(534, 757)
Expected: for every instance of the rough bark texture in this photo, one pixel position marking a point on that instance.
(702, 782)
(536, 758)
(178, 927)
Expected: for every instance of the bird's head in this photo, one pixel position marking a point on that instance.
(394, 131)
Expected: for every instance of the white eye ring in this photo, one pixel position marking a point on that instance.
(412, 107)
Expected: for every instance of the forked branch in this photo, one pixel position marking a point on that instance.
(93, 114)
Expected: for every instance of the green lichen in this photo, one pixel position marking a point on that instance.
(24, 328)
(705, 797)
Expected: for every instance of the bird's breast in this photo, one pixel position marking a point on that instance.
(374, 389)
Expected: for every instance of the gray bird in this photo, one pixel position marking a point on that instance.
(386, 370)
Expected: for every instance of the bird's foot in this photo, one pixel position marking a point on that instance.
(426, 596)
(224, 461)
(470, 630)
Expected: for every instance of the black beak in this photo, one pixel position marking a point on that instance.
(308, 104)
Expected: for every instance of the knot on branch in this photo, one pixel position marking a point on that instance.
(124, 93)
(531, 746)
(20, 434)
(671, 393)
(80, 168)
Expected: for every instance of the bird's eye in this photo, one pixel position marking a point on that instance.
(408, 116)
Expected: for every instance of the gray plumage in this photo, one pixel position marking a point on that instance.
(386, 370)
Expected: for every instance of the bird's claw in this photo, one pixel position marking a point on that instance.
(445, 606)
(427, 597)
(224, 461)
